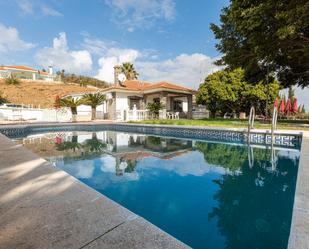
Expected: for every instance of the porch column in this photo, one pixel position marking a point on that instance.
(163, 99)
(189, 99)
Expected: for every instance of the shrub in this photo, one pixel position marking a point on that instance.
(12, 80)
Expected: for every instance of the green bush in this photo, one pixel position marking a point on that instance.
(155, 107)
(12, 80)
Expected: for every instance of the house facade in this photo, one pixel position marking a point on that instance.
(129, 100)
(28, 73)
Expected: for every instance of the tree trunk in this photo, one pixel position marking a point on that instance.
(74, 114)
(212, 113)
(74, 117)
(93, 113)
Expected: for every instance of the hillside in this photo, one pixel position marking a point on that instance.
(39, 93)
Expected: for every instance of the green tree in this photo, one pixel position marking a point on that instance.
(72, 104)
(264, 37)
(93, 100)
(303, 110)
(227, 91)
(129, 71)
(155, 107)
(291, 93)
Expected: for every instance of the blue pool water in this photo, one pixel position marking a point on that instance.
(208, 195)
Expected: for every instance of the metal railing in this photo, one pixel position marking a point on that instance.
(251, 122)
(274, 123)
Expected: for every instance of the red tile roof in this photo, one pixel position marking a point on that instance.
(136, 85)
(44, 73)
(21, 68)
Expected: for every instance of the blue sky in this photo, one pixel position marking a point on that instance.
(165, 39)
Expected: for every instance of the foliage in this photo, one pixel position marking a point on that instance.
(12, 80)
(256, 205)
(93, 100)
(94, 144)
(227, 91)
(71, 103)
(265, 37)
(129, 71)
(82, 80)
(69, 145)
(155, 107)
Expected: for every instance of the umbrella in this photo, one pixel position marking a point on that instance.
(281, 107)
(288, 107)
(295, 106)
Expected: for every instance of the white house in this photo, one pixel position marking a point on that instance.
(28, 73)
(128, 99)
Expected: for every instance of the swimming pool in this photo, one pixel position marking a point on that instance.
(206, 194)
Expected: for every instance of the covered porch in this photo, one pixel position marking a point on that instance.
(175, 106)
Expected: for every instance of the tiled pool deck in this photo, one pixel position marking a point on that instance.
(43, 207)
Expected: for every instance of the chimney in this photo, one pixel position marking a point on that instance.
(117, 71)
(50, 70)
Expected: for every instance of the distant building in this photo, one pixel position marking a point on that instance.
(23, 72)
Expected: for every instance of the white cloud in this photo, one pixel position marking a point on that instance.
(60, 56)
(49, 11)
(26, 7)
(10, 40)
(36, 8)
(186, 69)
(141, 13)
(114, 56)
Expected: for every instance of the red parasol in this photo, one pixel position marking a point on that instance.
(281, 107)
(276, 103)
(288, 107)
(295, 106)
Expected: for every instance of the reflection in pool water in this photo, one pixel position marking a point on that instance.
(207, 195)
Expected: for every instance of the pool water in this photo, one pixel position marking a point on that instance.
(208, 195)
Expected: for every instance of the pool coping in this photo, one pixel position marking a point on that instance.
(298, 239)
(299, 233)
(67, 215)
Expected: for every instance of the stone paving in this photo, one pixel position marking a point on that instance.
(299, 236)
(43, 207)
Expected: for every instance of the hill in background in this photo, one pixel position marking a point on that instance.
(37, 93)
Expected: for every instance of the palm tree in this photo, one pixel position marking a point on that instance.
(72, 104)
(93, 99)
(94, 144)
(129, 71)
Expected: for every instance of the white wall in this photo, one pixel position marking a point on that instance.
(62, 115)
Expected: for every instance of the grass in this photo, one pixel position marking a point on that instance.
(226, 123)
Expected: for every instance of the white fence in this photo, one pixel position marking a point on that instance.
(35, 114)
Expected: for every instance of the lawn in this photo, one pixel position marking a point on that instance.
(228, 123)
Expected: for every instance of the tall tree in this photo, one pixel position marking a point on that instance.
(264, 37)
(228, 91)
(93, 100)
(129, 71)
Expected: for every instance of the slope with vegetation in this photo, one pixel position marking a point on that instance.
(38, 93)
